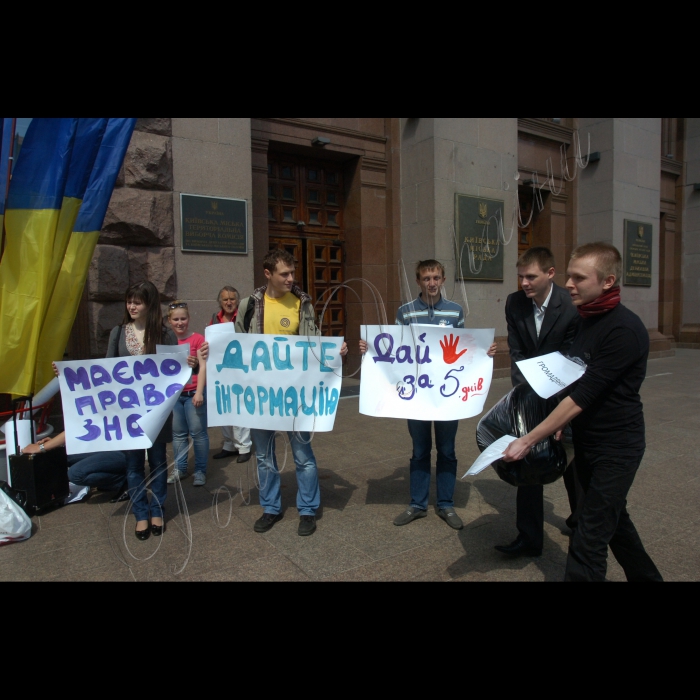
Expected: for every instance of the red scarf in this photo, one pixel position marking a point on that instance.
(605, 302)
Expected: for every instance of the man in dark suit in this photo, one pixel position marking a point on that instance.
(541, 319)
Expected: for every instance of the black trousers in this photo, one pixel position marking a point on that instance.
(529, 517)
(604, 520)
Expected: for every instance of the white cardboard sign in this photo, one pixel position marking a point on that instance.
(119, 403)
(425, 372)
(272, 382)
(549, 374)
(492, 453)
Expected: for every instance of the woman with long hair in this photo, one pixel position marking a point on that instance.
(138, 334)
(190, 411)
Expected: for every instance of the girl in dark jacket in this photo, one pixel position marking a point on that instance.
(138, 334)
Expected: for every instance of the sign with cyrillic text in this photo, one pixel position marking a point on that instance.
(425, 372)
(273, 382)
(119, 403)
(549, 374)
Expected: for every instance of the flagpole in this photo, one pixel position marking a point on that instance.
(9, 177)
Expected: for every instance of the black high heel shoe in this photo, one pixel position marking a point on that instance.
(157, 530)
(143, 535)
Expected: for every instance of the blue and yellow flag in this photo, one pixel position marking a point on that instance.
(68, 289)
(31, 220)
(88, 137)
(60, 160)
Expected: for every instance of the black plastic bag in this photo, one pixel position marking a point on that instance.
(517, 413)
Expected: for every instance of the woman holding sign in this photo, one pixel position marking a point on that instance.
(190, 412)
(139, 333)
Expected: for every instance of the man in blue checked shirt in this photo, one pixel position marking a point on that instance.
(430, 307)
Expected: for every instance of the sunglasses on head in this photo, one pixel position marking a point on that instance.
(180, 305)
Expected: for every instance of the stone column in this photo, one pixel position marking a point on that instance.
(439, 158)
(136, 242)
(624, 184)
(211, 157)
(690, 329)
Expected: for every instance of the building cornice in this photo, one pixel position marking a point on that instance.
(325, 128)
(545, 130)
(672, 167)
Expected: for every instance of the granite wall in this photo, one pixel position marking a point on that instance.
(137, 239)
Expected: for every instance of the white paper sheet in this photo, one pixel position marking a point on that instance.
(76, 493)
(493, 452)
(119, 403)
(50, 390)
(425, 372)
(183, 349)
(217, 328)
(273, 382)
(549, 374)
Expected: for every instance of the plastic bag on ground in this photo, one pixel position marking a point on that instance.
(518, 412)
(15, 524)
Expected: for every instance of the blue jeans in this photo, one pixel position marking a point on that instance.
(136, 478)
(308, 491)
(103, 470)
(446, 467)
(190, 420)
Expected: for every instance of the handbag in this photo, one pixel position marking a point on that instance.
(38, 480)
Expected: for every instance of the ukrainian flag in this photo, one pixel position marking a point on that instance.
(59, 162)
(31, 221)
(68, 289)
(88, 137)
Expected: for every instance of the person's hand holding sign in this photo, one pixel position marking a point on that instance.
(449, 350)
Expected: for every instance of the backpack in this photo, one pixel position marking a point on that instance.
(248, 316)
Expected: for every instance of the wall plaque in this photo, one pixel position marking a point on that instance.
(214, 224)
(476, 227)
(637, 258)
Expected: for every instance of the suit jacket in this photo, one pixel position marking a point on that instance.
(558, 330)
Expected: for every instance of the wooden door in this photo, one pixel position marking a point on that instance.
(525, 232)
(305, 217)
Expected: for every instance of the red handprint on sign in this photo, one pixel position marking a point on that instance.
(449, 349)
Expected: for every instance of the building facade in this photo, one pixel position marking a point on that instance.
(359, 201)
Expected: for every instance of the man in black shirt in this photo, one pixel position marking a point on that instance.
(607, 419)
(541, 319)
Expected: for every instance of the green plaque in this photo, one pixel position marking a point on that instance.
(637, 259)
(479, 251)
(214, 224)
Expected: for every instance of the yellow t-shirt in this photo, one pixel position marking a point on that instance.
(282, 315)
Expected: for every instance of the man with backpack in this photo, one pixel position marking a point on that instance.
(282, 308)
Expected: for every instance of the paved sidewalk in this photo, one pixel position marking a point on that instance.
(363, 467)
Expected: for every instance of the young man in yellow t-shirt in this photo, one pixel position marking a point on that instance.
(281, 308)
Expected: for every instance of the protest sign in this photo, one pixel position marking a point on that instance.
(549, 374)
(425, 372)
(273, 382)
(119, 403)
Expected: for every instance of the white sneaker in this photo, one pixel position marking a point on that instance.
(176, 475)
(200, 478)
